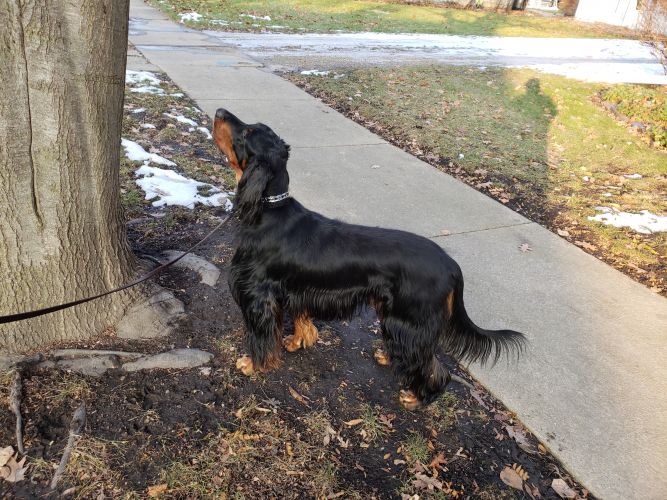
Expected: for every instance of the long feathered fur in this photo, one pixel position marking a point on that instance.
(290, 259)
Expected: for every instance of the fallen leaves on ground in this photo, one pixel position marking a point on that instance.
(11, 470)
(301, 399)
(514, 476)
(353, 422)
(562, 488)
(518, 433)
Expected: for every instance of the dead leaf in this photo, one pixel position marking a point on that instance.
(438, 461)
(301, 399)
(478, 397)
(519, 435)
(387, 420)
(354, 422)
(562, 232)
(525, 247)
(532, 490)
(13, 471)
(585, 245)
(386, 456)
(425, 482)
(5, 455)
(157, 490)
(562, 488)
(511, 478)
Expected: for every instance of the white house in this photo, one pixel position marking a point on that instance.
(617, 12)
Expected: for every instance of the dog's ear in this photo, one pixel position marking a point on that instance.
(250, 189)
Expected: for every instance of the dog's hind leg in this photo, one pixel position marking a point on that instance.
(412, 353)
(263, 314)
(305, 334)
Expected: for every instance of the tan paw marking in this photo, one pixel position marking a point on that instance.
(409, 400)
(382, 357)
(292, 343)
(245, 365)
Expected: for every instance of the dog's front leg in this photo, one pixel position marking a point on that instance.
(263, 314)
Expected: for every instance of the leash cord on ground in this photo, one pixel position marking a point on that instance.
(46, 310)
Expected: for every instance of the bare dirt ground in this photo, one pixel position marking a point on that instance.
(326, 424)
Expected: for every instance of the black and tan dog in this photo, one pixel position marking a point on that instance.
(292, 260)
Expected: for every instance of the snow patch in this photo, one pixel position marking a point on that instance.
(257, 18)
(190, 16)
(138, 110)
(135, 152)
(315, 72)
(633, 176)
(182, 119)
(205, 131)
(644, 222)
(177, 94)
(148, 89)
(147, 125)
(172, 188)
(132, 76)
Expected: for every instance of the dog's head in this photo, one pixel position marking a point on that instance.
(258, 157)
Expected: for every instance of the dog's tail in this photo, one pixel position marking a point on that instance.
(465, 341)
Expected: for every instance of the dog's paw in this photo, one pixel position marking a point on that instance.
(409, 400)
(382, 357)
(292, 343)
(245, 365)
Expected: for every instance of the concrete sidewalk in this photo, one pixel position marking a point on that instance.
(591, 385)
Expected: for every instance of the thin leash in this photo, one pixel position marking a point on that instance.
(40, 312)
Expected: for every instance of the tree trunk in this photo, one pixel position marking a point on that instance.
(62, 235)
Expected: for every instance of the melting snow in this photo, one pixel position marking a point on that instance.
(177, 94)
(172, 188)
(148, 89)
(258, 18)
(191, 16)
(205, 131)
(139, 110)
(644, 222)
(136, 153)
(315, 72)
(141, 76)
(147, 125)
(633, 176)
(182, 119)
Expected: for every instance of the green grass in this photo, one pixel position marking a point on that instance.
(415, 449)
(536, 142)
(380, 16)
(638, 103)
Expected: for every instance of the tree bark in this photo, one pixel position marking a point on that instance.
(62, 234)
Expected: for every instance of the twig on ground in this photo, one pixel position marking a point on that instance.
(15, 405)
(75, 429)
(456, 378)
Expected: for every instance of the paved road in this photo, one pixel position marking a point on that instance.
(591, 385)
(590, 59)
